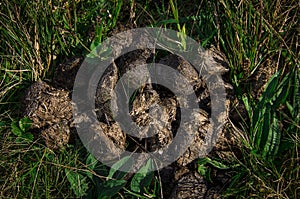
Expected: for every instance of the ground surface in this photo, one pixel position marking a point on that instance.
(44, 42)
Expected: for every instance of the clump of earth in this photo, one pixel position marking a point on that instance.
(49, 106)
(51, 113)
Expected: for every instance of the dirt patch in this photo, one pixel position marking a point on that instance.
(260, 78)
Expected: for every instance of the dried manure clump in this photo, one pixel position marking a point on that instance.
(152, 107)
(51, 113)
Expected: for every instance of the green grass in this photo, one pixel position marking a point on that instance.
(37, 35)
(265, 37)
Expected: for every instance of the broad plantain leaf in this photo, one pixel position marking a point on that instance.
(273, 141)
(110, 187)
(142, 179)
(124, 164)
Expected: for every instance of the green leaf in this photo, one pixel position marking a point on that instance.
(218, 165)
(210, 38)
(257, 118)
(15, 129)
(265, 130)
(273, 142)
(290, 108)
(205, 171)
(283, 90)
(25, 124)
(203, 161)
(247, 105)
(174, 11)
(94, 44)
(142, 179)
(110, 187)
(167, 21)
(19, 140)
(78, 182)
(270, 89)
(91, 163)
(125, 164)
(28, 137)
(116, 12)
(207, 175)
(214, 163)
(202, 169)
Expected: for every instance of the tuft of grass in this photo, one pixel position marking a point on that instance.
(263, 34)
(34, 171)
(270, 163)
(35, 37)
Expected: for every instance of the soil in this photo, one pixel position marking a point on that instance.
(260, 78)
(48, 105)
